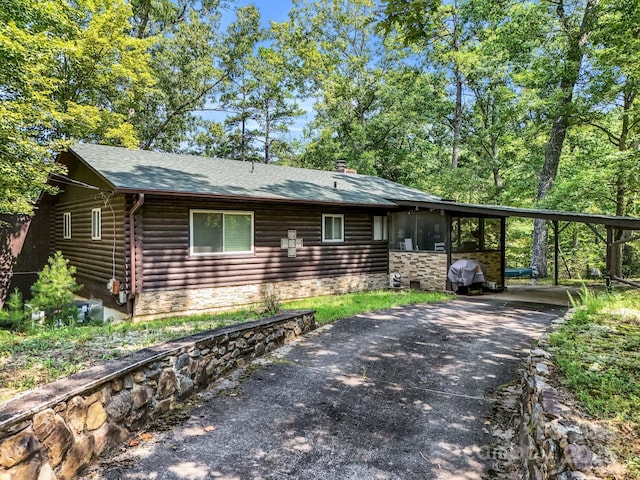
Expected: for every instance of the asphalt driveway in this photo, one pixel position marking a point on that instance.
(399, 394)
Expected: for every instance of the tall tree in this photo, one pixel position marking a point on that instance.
(439, 29)
(564, 50)
(186, 64)
(371, 107)
(242, 39)
(495, 115)
(614, 87)
(272, 102)
(66, 73)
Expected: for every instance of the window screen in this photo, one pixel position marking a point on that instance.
(220, 232)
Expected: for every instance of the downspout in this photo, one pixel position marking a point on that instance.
(132, 247)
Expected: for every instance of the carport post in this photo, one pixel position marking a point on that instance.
(503, 247)
(609, 245)
(556, 248)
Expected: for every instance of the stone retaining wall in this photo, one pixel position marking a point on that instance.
(552, 442)
(52, 432)
(200, 300)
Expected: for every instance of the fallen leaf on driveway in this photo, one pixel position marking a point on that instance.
(209, 428)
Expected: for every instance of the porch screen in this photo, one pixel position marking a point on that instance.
(419, 231)
(221, 232)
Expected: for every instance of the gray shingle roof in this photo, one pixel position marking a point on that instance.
(145, 171)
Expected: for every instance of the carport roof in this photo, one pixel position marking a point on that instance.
(628, 223)
(135, 171)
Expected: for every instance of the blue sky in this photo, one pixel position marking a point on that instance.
(270, 10)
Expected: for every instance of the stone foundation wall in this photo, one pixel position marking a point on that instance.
(201, 300)
(52, 432)
(553, 444)
(428, 268)
(491, 260)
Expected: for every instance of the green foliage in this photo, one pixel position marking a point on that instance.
(14, 317)
(597, 353)
(185, 63)
(54, 289)
(67, 72)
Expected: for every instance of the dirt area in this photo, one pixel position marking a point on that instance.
(33, 363)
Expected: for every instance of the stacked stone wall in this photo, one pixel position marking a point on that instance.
(553, 443)
(52, 432)
(491, 260)
(199, 300)
(428, 268)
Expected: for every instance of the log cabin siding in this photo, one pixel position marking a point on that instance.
(167, 264)
(94, 260)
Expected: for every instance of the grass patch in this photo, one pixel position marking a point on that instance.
(598, 353)
(331, 308)
(30, 360)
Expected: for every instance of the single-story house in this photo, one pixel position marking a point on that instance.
(155, 234)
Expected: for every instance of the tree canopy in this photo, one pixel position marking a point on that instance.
(521, 103)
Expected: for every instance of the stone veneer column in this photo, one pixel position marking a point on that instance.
(491, 260)
(429, 268)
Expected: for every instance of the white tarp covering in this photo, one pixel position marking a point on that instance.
(465, 272)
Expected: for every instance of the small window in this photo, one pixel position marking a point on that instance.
(96, 224)
(66, 225)
(213, 232)
(380, 227)
(332, 228)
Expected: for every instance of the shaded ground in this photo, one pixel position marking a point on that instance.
(400, 394)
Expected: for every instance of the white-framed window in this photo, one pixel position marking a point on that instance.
(332, 228)
(380, 227)
(66, 225)
(214, 232)
(96, 224)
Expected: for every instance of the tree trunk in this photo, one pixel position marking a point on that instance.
(267, 128)
(553, 149)
(457, 75)
(545, 182)
(498, 183)
(621, 184)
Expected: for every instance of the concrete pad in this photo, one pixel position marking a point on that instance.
(547, 294)
(397, 394)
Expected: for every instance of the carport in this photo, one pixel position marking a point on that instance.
(615, 228)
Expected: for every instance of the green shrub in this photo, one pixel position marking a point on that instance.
(588, 304)
(54, 289)
(14, 317)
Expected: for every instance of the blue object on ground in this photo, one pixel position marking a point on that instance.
(518, 272)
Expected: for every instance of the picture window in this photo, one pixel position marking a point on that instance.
(217, 232)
